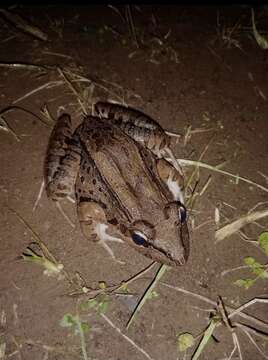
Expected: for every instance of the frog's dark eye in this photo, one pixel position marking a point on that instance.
(139, 238)
(182, 213)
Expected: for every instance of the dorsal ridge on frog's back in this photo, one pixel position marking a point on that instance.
(110, 147)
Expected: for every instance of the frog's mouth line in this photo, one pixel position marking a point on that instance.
(165, 254)
(160, 253)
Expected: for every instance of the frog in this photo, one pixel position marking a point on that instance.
(124, 189)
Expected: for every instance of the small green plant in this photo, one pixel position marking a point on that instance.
(74, 322)
(259, 270)
(220, 317)
(186, 340)
(100, 304)
(79, 328)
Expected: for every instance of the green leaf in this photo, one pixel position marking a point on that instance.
(246, 283)
(264, 275)
(103, 306)
(68, 320)
(102, 285)
(90, 304)
(51, 268)
(256, 267)
(249, 260)
(152, 295)
(81, 327)
(263, 241)
(185, 341)
(124, 288)
(85, 327)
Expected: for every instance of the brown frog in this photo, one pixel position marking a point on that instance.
(124, 190)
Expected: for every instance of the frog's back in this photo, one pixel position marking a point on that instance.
(128, 167)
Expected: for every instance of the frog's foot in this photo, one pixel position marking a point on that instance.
(93, 222)
(100, 230)
(174, 161)
(172, 178)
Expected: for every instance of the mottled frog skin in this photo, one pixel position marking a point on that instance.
(125, 191)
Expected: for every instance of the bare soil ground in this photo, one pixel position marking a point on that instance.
(196, 68)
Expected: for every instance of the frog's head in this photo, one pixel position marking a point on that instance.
(167, 240)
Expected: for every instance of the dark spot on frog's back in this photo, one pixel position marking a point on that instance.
(119, 121)
(84, 166)
(125, 150)
(82, 179)
(94, 181)
(95, 135)
(113, 221)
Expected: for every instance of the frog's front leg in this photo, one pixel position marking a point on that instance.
(93, 224)
(172, 178)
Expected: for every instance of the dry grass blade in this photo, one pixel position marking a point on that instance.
(247, 331)
(131, 26)
(261, 40)
(5, 127)
(66, 217)
(264, 176)
(46, 114)
(136, 276)
(237, 345)
(206, 185)
(92, 293)
(25, 66)
(206, 337)
(186, 162)
(79, 98)
(126, 337)
(233, 311)
(15, 107)
(196, 170)
(57, 54)
(232, 228)
(173, 134)
(35, 235)
(160, 272)
(39, 195)
(46, 253)
(48, 85)
(239, 310)
(23, 25)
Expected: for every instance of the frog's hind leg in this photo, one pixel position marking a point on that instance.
(172, 178)
(62, 160)
(62, 163)
(140, 127)
(93, 223)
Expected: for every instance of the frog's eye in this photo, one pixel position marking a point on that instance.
(182, 213)
(139, 238)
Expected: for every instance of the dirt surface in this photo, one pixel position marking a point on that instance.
(190, 73)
